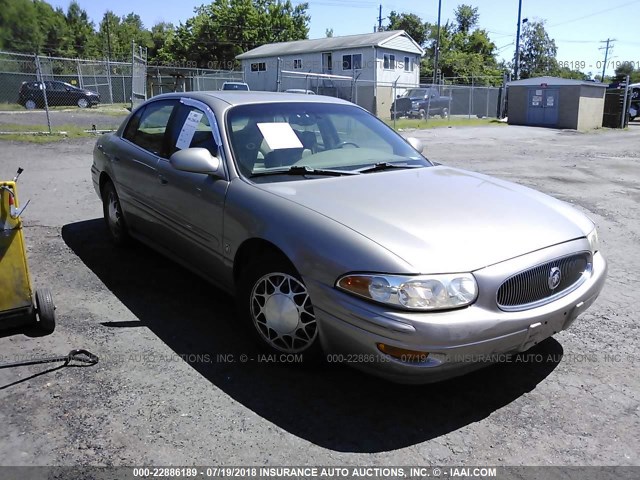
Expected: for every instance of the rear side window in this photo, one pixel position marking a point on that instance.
(148, 126)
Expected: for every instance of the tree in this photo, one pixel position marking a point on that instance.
(537, 51)
(466, 17)
(410, 23)
(226, 28)
(328, 33)
(19, 27)
(161, 34)
(81, 40)
(624, 69)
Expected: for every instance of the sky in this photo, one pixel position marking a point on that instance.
(580, 28)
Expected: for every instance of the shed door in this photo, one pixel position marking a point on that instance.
(543, 107)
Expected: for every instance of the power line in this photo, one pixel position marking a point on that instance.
(595, 13)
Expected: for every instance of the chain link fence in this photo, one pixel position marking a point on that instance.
(460, 101)
(41, 93)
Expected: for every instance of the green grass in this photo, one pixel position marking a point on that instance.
(10, 107)
(39, 134)
(114, 110)
(420, 124)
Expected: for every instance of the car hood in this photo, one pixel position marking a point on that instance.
(440, 219)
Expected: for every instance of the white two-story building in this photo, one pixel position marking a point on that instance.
(367, 69)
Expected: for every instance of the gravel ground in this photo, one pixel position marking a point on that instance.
(162, 394)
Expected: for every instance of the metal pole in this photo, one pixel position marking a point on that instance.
(44, 91)
(278, 78)
(436, 53)
(516, 68)
(604, 66)
(623, 121)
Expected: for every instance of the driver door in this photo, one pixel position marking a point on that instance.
(193, 203)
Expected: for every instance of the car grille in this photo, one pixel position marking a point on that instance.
(531, 288)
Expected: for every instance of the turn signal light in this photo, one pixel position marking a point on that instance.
(403, 354)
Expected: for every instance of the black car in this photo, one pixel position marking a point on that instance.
(58, 94)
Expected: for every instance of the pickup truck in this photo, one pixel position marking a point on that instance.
(416, 102)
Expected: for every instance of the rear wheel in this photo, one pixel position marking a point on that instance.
(46, 311)
(113, 216)
(444, 113)
(276, 306)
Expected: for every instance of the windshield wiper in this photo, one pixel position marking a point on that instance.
(304, 170)
(380, 166)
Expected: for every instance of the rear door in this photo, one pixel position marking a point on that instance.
(134, 165)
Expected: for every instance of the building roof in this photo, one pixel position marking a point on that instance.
(376, 39)
(552, 81)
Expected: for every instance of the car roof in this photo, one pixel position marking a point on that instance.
(236, 97)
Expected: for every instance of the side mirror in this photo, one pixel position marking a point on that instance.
(416, 143)
(195, 160)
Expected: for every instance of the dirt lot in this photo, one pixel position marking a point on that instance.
(161, 393)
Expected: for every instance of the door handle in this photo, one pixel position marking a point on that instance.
(163, 180)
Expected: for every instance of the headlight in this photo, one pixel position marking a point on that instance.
(594, 242)
(423, 292)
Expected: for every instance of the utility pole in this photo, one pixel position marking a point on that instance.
(516, 68)
(106, 20)
(437, 51)
(380, 19)
(606, 54)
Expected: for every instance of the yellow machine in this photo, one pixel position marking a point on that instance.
(18, 305)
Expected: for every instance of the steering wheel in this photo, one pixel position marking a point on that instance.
(342, 144)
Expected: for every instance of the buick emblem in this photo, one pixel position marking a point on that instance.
(554, 278)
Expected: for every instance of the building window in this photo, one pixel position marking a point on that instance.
(259, 67)
(297, 64)
(389, 61)
(408, 66)
(350, 62)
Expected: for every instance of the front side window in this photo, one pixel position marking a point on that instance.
(277, 136)
(190, 128)
(148, 126)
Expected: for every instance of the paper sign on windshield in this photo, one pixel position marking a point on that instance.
(279, 135)
(188, 129)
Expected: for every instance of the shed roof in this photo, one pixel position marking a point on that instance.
(552, 81)
(376, 39)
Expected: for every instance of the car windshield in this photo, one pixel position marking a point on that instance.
(415, 92)
(268, 139)
(235, 86)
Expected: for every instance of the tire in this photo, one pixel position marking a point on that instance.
(113, 215)
(30, 104)
(46, 311)
(83, 103)
(444, 113)
(423, 114)
(275, 305)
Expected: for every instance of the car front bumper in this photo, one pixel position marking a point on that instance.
(458, 341)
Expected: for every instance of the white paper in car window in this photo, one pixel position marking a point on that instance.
(279, 135)
(188, 129)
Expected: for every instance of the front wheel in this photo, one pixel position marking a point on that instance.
(30, 104)
(46, 311)
(83, 102)
(113, 216)
(444, 113)
(276, 305)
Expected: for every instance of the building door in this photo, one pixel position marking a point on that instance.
(543, 107)
(327, 65)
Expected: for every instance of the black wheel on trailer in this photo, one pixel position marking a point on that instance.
(46, 311)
